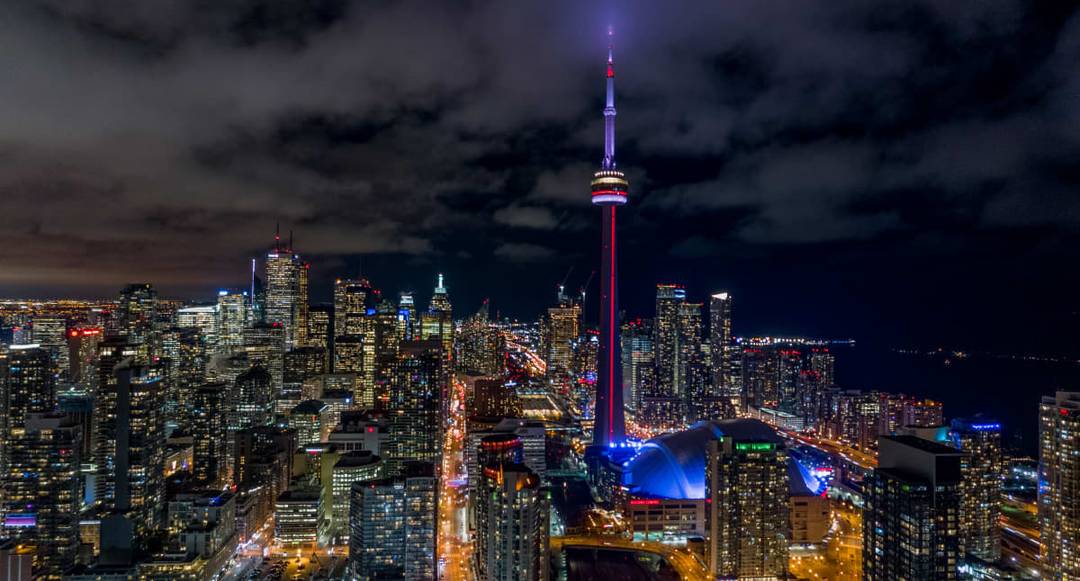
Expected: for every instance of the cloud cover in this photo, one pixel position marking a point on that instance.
(164, 140)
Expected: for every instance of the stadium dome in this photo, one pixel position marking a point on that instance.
(673, 465)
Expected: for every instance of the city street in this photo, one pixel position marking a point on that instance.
(841, 557)
(455, 550)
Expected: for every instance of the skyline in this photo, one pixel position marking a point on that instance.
(841, 345)
(949, 192)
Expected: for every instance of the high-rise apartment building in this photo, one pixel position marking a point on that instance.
(348, 469)
(135, 312)
(669, 298)
(310, 420)
(477, 345)
(130, 446)
(760, 377)
(184, 356)
(51, 334)
(980, 487)
(204, 319)
(418, 381)
(264, 344)
(43, 490)
(637, 359)
(83, 341)
(491, 396)
(692, 374)
(747, 508)
(30, 384)
(392, 525)
(1059, 484)
(722, 346)
(923, 413)
(911, 523)
(511, 524)
(209, 437)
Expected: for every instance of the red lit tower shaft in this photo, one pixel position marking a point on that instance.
(609, 189)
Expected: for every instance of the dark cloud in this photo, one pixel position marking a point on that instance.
(466, 132)
(523, 252)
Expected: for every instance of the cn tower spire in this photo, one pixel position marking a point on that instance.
(609, 105)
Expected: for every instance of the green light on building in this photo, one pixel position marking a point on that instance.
(755, 447)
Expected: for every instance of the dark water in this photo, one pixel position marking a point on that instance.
(1005, 389)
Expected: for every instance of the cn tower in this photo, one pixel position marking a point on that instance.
(609, 188)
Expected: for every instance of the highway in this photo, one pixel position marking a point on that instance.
(1020, 532)
(865, 460)
(454, 547)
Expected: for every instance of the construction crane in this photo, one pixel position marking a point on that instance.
(584, 288)
(562, 285)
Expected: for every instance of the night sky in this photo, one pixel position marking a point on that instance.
(906, 171)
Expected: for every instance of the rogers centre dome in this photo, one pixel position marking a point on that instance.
(673, 465)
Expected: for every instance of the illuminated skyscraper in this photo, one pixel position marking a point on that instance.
(209, 437)
(638, 359)
(350, 468)
(232, 317)
(31, 384)
(204, 319)
(184, 357)
(130, 449)
(264, 344)
(249, 402)
(561, 327)
(1059, 484)
(407, 308)
(43, 490)
(418, 379)
(692, 375)
(911, 523)
(609, 190)
(387, 334)
(789, 368)
(923, 413)
(491, 396)
(747, 506)
(980, 488)
(760, 377)
(83, 344)
(350, 305)
(511, 523)
(477, 344)
(438, 321)
(392, 525)
(721, 346)
(287, 292)
(51, 334)
(679, 375)
(320, 331)
(135, 312)
(309, 419)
